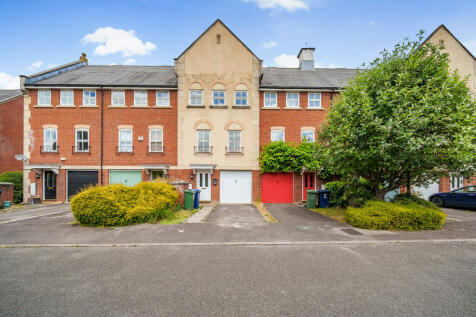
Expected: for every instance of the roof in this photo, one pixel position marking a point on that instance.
(442, 26)
(201, 35)
(7, 94)
(113, 76)
(295, 78)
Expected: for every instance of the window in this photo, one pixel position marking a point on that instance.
(277, 135)
(125, 140)
(234, 141)
(89, 97)
(203, 141)
(82, 140)
(292, 100)
(140, 98)
(270, 99)
(156, 140)
(218, 97)
(44, 97)
(118, 98)
(66, 98)
(156, 174)
(162, 99)
(456, 182)
(196, 97)
(307, 136)
(50, 141)
(314, 100)
(241, 98)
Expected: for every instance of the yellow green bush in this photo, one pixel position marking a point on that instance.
(408, 216)
(119, 205)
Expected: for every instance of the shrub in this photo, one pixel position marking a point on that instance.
(410, 216)
(119, 205)
(349, 193)
(405, 200)
(17, 179)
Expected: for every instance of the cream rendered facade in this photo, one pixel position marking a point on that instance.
(218, 60)
(460, 58)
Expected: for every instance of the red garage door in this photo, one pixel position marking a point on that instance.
(277, 188)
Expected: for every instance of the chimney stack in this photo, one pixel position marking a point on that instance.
(306, 58)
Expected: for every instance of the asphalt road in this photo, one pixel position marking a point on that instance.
(375, 279)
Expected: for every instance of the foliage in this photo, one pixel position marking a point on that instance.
(119, 205)
(405, 200)
(404, 117)
(352, 192)
(408, 216)
(17, 179)
(280, 156)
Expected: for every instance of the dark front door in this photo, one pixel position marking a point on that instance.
(307, 183)
(78, 180)
(50, 185)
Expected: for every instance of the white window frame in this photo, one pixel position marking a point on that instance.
(87, 99)
(235, 148)
(303, 132)
(241, 98)
(314, 100)
(50, 145)
(277, 131)
(76, 140)
(138, 100)
(270, 99)
(126, 146)
(288, 101)
(219, 98)
(63, 95)
(192, 98)
(118, 98)
(202, 148)
(44, 100)
(165, 101)
(156, 147)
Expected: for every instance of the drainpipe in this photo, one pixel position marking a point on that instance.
(102, 132)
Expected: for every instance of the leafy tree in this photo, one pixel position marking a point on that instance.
(17, 179)
(280, 156)
(405, 119)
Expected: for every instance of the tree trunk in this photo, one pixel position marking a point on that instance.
(409, 187)
(380, 194)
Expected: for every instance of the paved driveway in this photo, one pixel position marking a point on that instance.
(294, 214)
(235, 213)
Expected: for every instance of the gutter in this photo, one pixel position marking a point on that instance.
(171, 87)
(102, 134)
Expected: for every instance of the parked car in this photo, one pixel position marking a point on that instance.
(462, 197)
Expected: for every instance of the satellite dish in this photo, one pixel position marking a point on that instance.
(20, 157)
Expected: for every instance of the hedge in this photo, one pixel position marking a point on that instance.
(349, 193)
(119, 205)
(17, 179)
(408, 216)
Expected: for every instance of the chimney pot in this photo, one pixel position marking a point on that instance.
(306, 58)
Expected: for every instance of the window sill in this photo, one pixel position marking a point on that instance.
(117, 106)
(291, 108)
(321, 109)
(162, 107)
(88, 106)
(234, 153)
(270, 108)
(195, 106)
(241, 107)
(218, 106)
(140, 107)
(42, 106)
(66, 106)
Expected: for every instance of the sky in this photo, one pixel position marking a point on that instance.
(38, 35)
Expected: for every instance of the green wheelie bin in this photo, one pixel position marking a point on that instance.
(311, 199)
(188, 199)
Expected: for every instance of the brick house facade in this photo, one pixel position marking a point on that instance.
(11, 130)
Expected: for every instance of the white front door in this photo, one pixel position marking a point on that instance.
(235, 187)
(203, 183)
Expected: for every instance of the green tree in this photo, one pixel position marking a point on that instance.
(280, 156)
(405, 119)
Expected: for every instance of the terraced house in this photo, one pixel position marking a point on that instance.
(202, 120)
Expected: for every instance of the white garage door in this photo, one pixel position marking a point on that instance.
(427, 191)
(235, 187)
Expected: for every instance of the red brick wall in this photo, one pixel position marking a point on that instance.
(140, 119)
(11, 134)
(7, 193)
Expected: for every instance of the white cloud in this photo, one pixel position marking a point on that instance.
(269, 44)
(112, 64)
(470, 45)
(9, 82)
(113, 40)
(285, 60)
(35, 65)
(289, 5)
(372, 22)
(129, 61)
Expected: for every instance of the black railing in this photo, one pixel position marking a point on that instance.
(202, 149)
(128, 149)
(159, 149)
(54, 149)
(234, 150)
(75, 150)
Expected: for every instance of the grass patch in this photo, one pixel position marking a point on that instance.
(334, 213)
(177, 217)
(264, 212)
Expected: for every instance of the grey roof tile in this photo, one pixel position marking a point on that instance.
(6, 94)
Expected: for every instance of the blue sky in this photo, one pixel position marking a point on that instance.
(41, 34)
